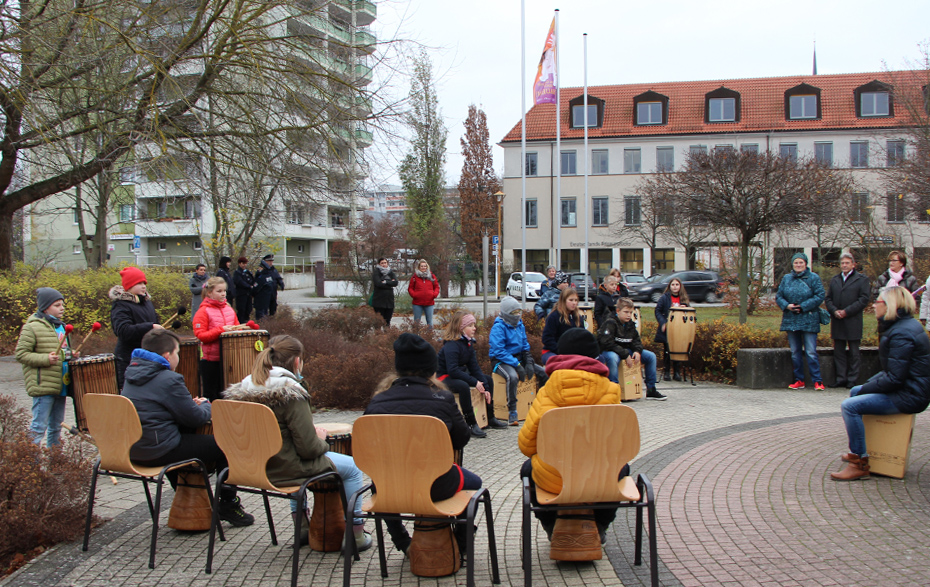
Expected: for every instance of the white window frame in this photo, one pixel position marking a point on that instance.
(650, 111)
(572, 160)
(606, 161)
(633, 160)
(872, 100)
(571, 220)
(578, 116)
(788, 151)
(535, 157)
(717, 104)
(596, 203)
(861, 159)
(801, 111)
(660, 168)
(532, 220)
(632, 211)
(823, 161)
(162, 247)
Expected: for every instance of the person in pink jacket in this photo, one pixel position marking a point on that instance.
(214, 317)
(424, 289)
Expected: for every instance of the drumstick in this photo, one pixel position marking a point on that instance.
(96, 326)
(253, 325)
(61, 341)
(181, 311)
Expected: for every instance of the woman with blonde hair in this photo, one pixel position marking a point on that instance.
(276, 382)
(564, 317)
(424, 289)
(458, 369)
(903, 384)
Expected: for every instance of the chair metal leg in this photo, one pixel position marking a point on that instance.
(653, 540)
(527, 563)
(215, 520)
(213, 503)
(381, 557)
(470, 544)
(155, 513)
(301, 507)
(492, 541)
(349, 545)
(274, 537)
(148, 498)
(90, 503)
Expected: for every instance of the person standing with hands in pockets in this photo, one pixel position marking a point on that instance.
(847, 296)
(799, 295)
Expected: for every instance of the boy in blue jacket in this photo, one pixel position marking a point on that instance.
(510, 353)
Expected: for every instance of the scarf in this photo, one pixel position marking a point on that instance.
(895, 278)
(384, 270)
(56, 322)
(425, 275)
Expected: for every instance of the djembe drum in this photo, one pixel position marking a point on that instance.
(682, 323)
(191, 510)
(575, 537)
(433, 550)
(238, 351)
(189, 364)
(94, 374)
(327, 520)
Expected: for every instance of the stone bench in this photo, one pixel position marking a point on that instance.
(771, 368)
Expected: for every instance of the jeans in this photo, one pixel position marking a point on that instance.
(853, 409)
(352, 480)
(48, 412)
(512, 379)
(420, 310)
(648, 359)
(802, 343)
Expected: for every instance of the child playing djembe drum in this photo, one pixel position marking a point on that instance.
(213, 318)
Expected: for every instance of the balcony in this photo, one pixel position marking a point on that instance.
(167, 227)
(362, 106)
(363, 137)
(363, 74)
(365, 12)
(366, 41)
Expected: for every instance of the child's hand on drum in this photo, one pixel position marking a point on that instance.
(228, 327)
(201, 400)
(53, 358)
(321, 432)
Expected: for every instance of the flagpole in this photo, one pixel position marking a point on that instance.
(558, 147)
(587, 262)
(523, 142)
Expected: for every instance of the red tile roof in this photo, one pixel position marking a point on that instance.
(762, 107)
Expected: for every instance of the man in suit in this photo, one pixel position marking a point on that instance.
(847, 296)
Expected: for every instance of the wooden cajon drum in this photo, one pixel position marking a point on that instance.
(477, 399)
(526, 393)
(631, 382)
(588, 311)
(888, 440)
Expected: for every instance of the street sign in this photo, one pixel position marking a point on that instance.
(494, 240)
(137, 242)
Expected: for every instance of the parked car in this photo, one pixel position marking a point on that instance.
(533, 281)
(628, 279)
(586, 292)
(702, 286)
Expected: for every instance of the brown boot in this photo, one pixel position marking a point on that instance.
(853, 471)
(850, 458)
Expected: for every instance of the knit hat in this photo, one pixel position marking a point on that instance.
(243, 259)
(468, 320)
(578, 341)
(511, 311)
(800, 256)
(132, 276)
(412, 354)
(46, 296)
(268, 257)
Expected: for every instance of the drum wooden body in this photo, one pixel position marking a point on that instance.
(637, 321)
(94, 374)
(587, 310)
(189, 364)
(238, 350)
(575, 537)
(682, 323)
(191, 510)
(327, 521)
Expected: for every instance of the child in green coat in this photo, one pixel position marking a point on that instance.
(45, 365)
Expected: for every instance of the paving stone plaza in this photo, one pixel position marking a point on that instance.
(744, 497)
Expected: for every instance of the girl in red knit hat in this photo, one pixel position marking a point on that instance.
(132, 315)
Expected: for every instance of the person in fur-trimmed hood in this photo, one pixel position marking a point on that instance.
(132, 315)
(276, 382)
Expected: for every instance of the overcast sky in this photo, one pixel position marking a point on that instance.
(476, 53)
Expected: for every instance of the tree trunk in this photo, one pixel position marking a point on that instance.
(743, 280)
(6, 238)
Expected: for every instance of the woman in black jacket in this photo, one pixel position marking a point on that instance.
(605, 304)
(382, 296)
(563, 318)
(459, 370)
(903, 384)
(132, 315)
(675, 295)
(414, 390)
(222, 270)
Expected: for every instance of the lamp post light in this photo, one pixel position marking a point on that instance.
(499, 196)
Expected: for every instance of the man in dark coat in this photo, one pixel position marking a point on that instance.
(267, 283)
(245, 285)
(848, 295)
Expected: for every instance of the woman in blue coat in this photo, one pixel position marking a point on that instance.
(903, 384)
(799, 296)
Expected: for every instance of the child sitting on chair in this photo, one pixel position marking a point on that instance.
(510, 353)
(275, 382)
(620, 341)
(414, 390)
(576, 378)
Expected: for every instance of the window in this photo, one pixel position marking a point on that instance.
(161, 209)
(873, 103)
(127, 212)
(823, 154)
(300, 248)
(632, 161)
(75, 215)
(531, 207)
(568, 212)
(723, 148)
(568, 163)
(859, 154)
(127, 175)
(632, 211)
(599, 207)
(76, 249)
(697, 150)
(162, 247)
(800, 107)
(721, 110)
(337, 217)
(578, 115)
(788, 151)
(664, 260)
(665, 159)
(750, 148)
(649, 113)
(895, 207)
(665, 211)
(895, 153)
(294, 213)
(198, 245)
(191, 209)
(923, 215)
(860, 208)
(531, 164)
(631, 260)
(599, 162)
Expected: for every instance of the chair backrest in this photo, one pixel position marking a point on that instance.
(589, 445)
(248, 435)
(403, 455)
(114, 424)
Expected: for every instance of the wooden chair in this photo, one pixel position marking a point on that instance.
(249, 435)
(589, 445)
(114, 424)
(403, 455)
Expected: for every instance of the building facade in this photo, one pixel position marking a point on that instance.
(849, 122)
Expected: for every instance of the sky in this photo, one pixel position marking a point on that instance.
(475, 48)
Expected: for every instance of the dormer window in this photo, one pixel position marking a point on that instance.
(722, 105)
(873, 99)
(802, 103)
(650, 108)
(595, 112)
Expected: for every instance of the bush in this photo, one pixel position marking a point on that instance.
(43, 492)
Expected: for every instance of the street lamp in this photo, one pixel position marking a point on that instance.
(499, 196)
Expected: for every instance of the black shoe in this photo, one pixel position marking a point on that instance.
(838, 384)
(495, 423)
(666, 377)
(603, 535)
(677, 377)
(231, 511)
(477, 432)
(652, 393)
